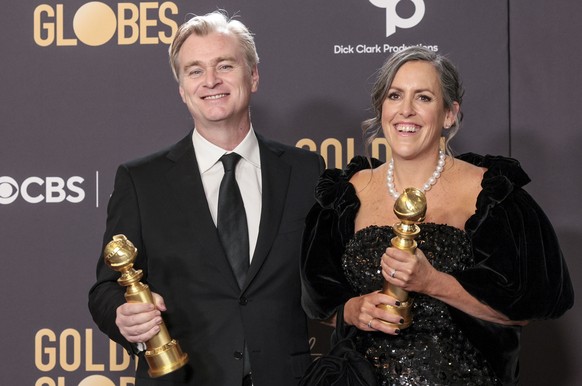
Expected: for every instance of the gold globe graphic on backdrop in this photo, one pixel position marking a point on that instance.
(96, 380)
(95, 23)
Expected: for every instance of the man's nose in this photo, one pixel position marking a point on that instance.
(211, 78)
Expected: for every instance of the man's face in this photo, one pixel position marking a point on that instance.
(215, 80)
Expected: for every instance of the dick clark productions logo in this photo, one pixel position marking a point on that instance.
(393, 20)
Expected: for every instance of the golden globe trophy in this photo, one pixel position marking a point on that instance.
(410, 208)
(163, 354)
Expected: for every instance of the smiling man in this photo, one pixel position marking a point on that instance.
(216, 83)
(224, 276)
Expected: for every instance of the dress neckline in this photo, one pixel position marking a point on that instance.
(430, 224)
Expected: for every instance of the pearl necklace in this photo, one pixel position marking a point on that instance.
(427, 185)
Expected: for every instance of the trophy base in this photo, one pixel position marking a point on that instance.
(403, 310)
(165, 359)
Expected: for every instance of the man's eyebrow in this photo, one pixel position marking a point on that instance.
(213, 62)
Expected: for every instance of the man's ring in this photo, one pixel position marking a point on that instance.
(370, 323)
(393, 273)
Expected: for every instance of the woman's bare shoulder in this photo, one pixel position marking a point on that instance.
(467, 174)
(366, 178)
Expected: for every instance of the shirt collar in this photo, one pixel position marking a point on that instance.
(208, 154)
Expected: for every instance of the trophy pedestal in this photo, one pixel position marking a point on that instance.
(163, 354)
(410, 208)
(165, 359)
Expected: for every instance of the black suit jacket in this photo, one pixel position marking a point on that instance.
(159, 203)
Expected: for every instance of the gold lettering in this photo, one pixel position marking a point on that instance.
(46, 27)
(145, 23)
(127, 23)
(89, 365)
(380, 145)
(45, 381)
(61, 40)
(337, 147)
(126, 381)
(114, 365)
(40, 350)
(349, 149)
(302, 143)
(173, 8)
(331, 149)
(64, 350)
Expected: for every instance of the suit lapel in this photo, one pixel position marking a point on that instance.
(186, 184)
(275, 180)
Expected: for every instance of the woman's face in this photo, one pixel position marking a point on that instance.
(413, 113)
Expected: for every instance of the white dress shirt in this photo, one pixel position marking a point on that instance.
(247, 174)
(248, 177)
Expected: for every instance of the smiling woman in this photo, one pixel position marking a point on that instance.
(481, 269)
(414, 114)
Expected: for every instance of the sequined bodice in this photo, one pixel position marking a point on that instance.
(433, 350)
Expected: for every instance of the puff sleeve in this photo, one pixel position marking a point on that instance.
(519, 267)
(329, 226)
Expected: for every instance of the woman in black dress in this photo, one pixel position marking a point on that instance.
(488, 260)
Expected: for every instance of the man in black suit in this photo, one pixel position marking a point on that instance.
(236, 330)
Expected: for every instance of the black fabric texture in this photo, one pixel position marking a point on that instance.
(343, 365)
(519, 268)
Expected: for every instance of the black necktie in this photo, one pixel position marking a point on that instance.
(233, 229)
(232, 220)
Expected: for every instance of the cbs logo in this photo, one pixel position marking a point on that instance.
(95, 23)
(35, 189)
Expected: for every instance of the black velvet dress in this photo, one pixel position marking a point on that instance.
(507, 257)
